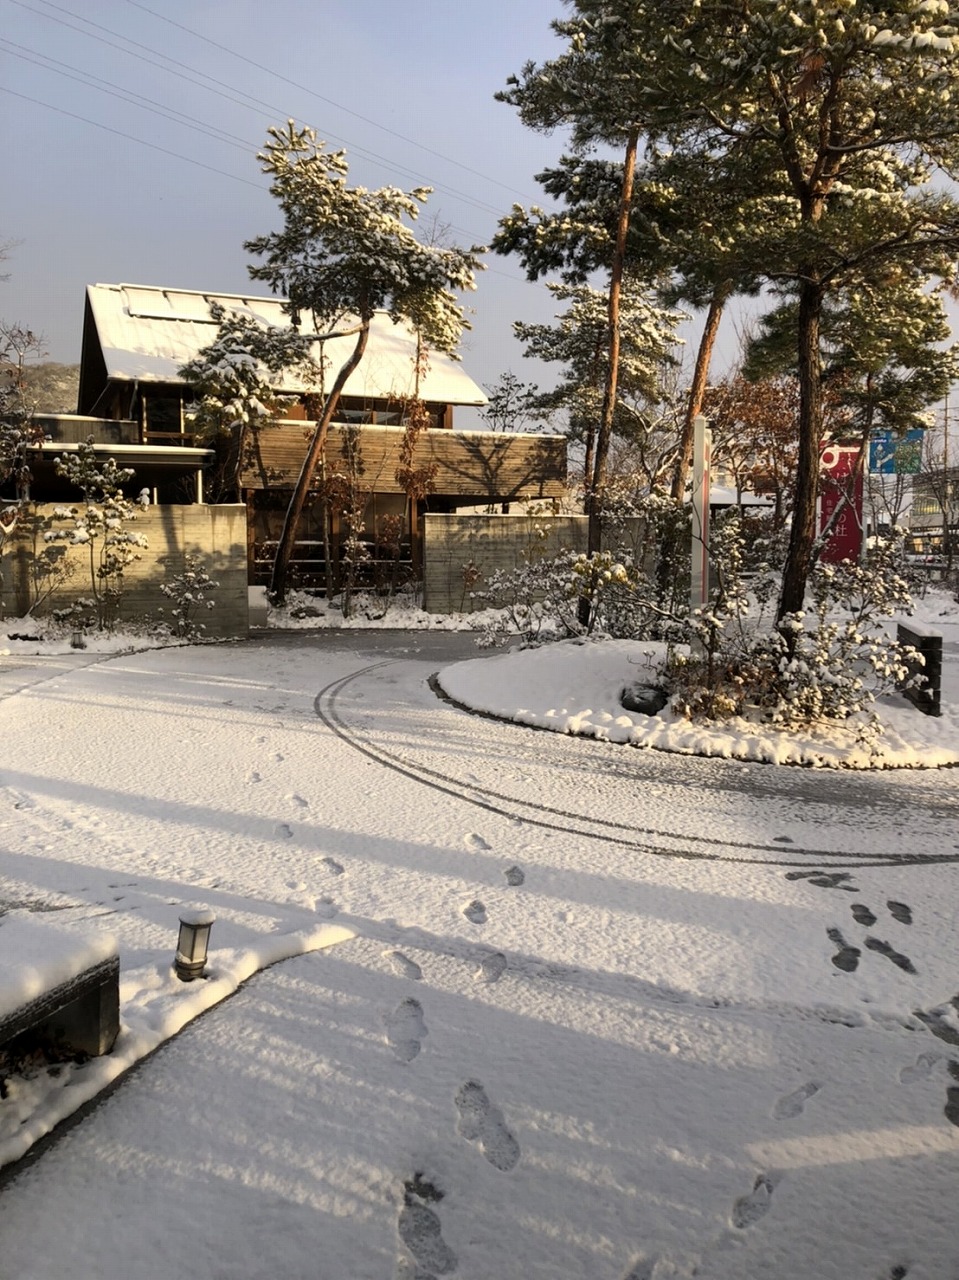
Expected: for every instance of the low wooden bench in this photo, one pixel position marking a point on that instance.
(58, 988)
(926, 694)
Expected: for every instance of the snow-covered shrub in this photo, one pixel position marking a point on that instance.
(98, 525)
(533, 603)
(48, 566)
(540, 601)
(610, 592)
(829, 662)
(190, 593)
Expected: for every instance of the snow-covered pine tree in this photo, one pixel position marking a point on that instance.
(343, 254)
(237, 381)
(821, 125)
(18, 347)
(579, 341)
(98, 525)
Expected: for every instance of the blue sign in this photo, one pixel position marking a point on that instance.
(891, 454)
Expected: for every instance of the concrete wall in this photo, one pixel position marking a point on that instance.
(216, 536)
(487, 543)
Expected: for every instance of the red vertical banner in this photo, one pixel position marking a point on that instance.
(839, 481)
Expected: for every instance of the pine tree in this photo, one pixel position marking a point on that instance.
(579, 341)
(345, 253)
(237, 381)
(820, 126)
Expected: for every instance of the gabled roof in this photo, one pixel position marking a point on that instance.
(147, 333)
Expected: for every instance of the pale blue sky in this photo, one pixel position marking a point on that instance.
(88, 200)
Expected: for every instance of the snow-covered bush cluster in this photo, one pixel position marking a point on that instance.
(635, 592)
(728, 658)
(541, 600)
(828, 662)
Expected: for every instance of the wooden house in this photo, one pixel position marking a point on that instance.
(134, 403)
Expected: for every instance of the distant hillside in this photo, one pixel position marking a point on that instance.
(53, 387)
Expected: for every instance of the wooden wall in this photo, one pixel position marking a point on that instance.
(480, 465)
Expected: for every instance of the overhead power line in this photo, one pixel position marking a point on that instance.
(176, 117)
(225, 90)
(38, 59)
(141, 141)
(233, 53)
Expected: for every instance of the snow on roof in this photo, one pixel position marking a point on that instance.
(147, 333)
(721, 496)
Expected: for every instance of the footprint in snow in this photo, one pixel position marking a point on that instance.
(335, 868)
(298, 801)
(403, 966)
(405, 1030)
(898, 959)
(421, 1232)
(647, 1269)
(951, 1108)
(847, 957)
(792, 1104)
(474, 841)
(407, 1269)
(824, 879)
(900, 912)
(284, 830)
(326, 908)
(515, 876)
(481, 1122)
(254, 776)
(832, 881)
(749, 1209)
(661, 1266)
(492, 968)
(921, 1070)
(475, 912)
(862, 915)
(938, 1025)
(642, 1269)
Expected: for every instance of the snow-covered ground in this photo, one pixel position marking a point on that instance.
(554, 1007)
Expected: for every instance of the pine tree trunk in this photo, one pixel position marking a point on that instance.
(597, 482)
(284, 551)
(697, 391)
(803, 532)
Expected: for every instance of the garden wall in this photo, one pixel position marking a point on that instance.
(455, 547)
(214, 535)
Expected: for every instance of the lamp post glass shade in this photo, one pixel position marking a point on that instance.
(191, 947)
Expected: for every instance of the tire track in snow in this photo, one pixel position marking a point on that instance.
(696, 847)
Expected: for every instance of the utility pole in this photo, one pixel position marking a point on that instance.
(699, 532)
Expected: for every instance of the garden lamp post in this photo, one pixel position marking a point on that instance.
(191, 947)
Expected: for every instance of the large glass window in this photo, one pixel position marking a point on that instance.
(163, 420)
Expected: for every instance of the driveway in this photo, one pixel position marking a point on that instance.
(607, 1013)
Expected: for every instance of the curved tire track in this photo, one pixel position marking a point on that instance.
(701, 848)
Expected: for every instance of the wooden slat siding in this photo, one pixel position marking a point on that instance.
(487, 466)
